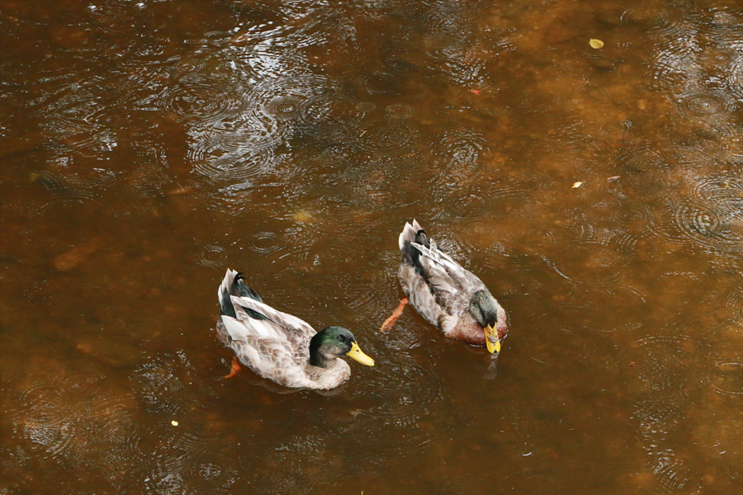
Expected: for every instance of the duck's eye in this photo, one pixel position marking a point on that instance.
(340, 337)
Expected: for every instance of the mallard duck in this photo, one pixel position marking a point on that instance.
(279, 346)
(445, 294)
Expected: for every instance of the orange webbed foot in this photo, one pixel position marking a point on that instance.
(235, 367)
(395, 315)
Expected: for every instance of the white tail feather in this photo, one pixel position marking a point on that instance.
(224, 288)
(408, 233)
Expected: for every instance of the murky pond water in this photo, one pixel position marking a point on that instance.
(147, 146)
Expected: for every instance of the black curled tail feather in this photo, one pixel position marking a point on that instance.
(237, 287)
(410, 255)
(422, 238)
(225, 305)
(240, 288)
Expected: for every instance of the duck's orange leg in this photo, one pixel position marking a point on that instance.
(235, 367)
(395, 315)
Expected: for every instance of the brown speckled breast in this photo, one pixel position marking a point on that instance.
(471, 332)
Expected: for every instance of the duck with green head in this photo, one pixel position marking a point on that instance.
(445, 294)
(281, 347)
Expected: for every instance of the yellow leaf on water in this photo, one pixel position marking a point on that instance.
(301, 216)
(596, 44)
(576, 185)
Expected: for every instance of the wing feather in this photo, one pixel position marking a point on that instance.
(441, 291)
(277, 323)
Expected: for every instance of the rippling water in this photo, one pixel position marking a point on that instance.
(148, 146)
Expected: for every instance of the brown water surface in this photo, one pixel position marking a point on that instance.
(147, 146)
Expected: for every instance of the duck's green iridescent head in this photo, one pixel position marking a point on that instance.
(333, 342)
(484, 309)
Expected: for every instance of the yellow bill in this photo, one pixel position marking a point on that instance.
(358, 355)
(491, 339)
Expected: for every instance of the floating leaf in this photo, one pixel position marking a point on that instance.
(75, 256)
(596, 44)
(476, 91)
(179, 191)
(576, 185)
(301, 216)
